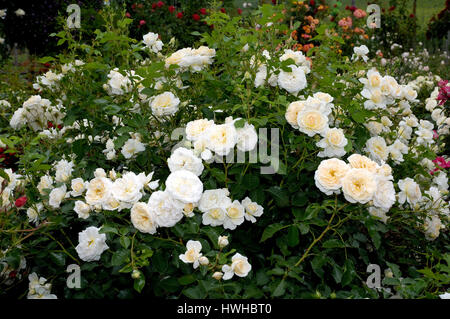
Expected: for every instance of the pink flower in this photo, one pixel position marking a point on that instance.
(435, 134)
(345, 22)
(440, 161)
(358, 13)
(142, 22)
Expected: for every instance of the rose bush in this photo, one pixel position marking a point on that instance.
(149, 168)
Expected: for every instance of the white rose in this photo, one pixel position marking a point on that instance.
(166, 209)
(57, 195)
(377, 148)
(127, 188)
(294, 81)
(184, 186)
(361, 161)
(246, 138)
(91, 244)
(98, 191)
(195, 129)
(164, 104)
(384, 196)
(252, 209)
(132, 147)
(45, 182)
(151, 41)
(183, 158)
(410, 191)
(143, 218)
(63, 171)
(333, 143)
(359, 185)
(221, 138)
(292, 112)
(329, 174)
(192, 254)
(82, 209)
(312, 122)
(213, 198)
(234, 215)
(78, 187)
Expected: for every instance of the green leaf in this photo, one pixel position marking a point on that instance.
(293, 236)
(270, 231)
(280, 196)
(125, 242)
(280, 289)
(239, 123)
(197, 292)
(186, 280)
(108, 229)
(120, 257)
(139, 283)
(333, 243)
(58, 258)
(299, 199)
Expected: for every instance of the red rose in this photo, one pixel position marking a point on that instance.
(179, 15)
(128, 15)
(202, 11)
(312, 2)
(171, 9)
(239, 10)
(411, 15)
(142, 22)
(49, 124)
(223, 10)
(274, 1)
(59, 126)
(133, 6)
(196, 17)
(154, 6)
(160, 4)
(21, 201)
(392, 8)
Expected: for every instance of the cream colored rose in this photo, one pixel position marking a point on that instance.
(292, 112)
(377, 148)
(143, 218)
(221, 138)
(361, 161)
(374, 78)
(312, 122)
(359, 185)
(240, 265)
(176, 57)
(329, 174)
(195, 129)
(98, 191)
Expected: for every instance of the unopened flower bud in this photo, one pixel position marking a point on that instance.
(223, 241)
(217, 275)
(136, 274)
(203, 261)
